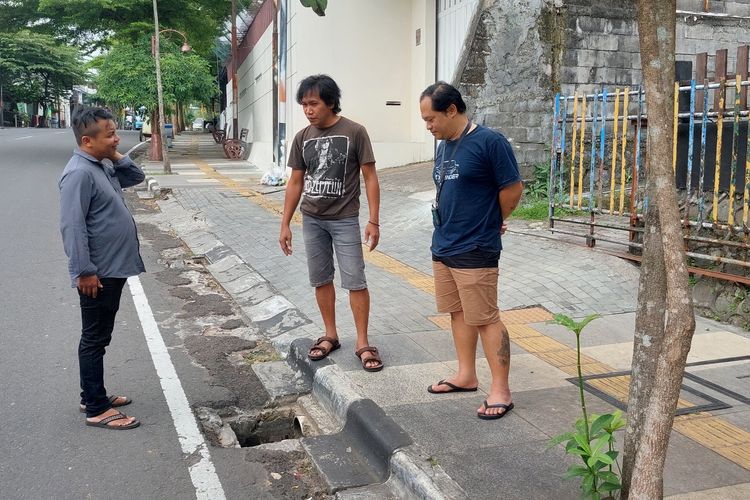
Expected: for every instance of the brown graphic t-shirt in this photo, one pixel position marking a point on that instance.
(331, 159)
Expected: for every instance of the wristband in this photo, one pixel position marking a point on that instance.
(371, 222)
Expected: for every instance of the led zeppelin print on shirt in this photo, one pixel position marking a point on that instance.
(325, 158)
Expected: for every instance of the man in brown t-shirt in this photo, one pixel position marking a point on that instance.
(326, 158)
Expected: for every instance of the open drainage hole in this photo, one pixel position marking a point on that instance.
(268, 427)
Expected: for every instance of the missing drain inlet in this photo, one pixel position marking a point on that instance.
(248, 429)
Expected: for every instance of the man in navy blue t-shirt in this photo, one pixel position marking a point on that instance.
(478, 186)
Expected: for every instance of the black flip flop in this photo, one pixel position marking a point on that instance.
(112, 399)
(117, 416)
(454, 388)
(507, 408)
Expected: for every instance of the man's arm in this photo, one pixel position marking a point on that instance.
(75, 198)
(291, 199)
(372, 188)
(509, 197)
(127, 172)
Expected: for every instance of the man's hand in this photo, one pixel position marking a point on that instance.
(89, 285)
(285, 240)
(116, 156)
(503, 228)
(372, 235)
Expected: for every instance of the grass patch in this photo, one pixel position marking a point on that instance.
(263, 353)
(539, 210)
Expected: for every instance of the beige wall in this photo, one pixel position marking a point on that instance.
(369, 48)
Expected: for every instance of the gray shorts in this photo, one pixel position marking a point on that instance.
(321, 238)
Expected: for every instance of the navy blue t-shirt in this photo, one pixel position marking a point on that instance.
(468, 206)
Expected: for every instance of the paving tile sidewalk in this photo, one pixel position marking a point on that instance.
(509, 457)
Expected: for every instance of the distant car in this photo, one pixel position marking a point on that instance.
(198, 124)
(145, 129)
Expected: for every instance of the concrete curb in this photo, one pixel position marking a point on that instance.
(264, 308)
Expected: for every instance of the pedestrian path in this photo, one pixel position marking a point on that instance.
(539, 277)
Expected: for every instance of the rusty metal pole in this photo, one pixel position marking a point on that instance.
(235, 98)
(160, 96)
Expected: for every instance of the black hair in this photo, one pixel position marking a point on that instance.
(85, 122)
(443, 95)
(327, 89)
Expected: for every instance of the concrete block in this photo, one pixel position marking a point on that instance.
(601, 42)
(242, 284)
(281, 382)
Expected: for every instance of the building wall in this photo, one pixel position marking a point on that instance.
(255, 92)
(524, 51)
(370, 49)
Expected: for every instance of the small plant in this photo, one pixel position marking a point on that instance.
(593, 436)
(537, 187)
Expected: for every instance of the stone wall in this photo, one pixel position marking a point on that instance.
(524, 51)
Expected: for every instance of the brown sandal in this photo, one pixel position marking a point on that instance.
(375, 357)
(326, 351)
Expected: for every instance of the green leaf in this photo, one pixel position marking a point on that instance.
(601, 422)
(609, 477)
(607, 486)
(581, 440)
(575, 470)
(567, 436)
(587, 485)
(617, 422)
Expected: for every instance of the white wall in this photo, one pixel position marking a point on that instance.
(369, 48)
(255, 76)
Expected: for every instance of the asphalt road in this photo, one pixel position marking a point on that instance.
(46, 451)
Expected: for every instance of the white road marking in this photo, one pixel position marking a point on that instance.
(202, 473)
(24, 137)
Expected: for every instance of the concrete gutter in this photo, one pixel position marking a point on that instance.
(388, 448)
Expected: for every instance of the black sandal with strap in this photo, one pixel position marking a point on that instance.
(374, 358)
(319, 347)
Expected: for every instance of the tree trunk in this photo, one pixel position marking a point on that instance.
(664, 320)
(155, 153)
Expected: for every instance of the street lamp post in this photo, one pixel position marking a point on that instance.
(165, 154)
(159, 92)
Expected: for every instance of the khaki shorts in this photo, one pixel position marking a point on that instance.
(473, 291)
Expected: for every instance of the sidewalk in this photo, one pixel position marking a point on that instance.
(539, 277)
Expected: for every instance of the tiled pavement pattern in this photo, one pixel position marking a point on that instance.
(417, 351)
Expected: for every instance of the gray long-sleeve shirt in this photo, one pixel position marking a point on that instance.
(98, 230)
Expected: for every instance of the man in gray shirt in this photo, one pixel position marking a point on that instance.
(101, 242)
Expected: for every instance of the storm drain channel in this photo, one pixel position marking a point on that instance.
(234, 428)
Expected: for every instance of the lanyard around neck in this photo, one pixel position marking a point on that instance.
(442, 161)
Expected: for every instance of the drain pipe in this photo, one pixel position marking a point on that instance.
(303, 426)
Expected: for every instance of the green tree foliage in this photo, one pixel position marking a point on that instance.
(94, 24)
(36, 68)
(318, 6)
(127, 75)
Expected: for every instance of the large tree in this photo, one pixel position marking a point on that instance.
(664, 320)
(127, 77)
(37, 68)
(94, 24)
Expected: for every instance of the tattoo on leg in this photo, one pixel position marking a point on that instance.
(503, 353)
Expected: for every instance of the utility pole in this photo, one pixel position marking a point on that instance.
(160, 96)
(235, 97)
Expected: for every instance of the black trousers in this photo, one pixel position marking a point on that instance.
(98, 321)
